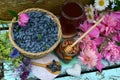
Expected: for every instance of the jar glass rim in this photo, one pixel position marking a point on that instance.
(69, 17)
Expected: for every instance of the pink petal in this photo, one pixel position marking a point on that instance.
(116, 37)
(94, 33)
(23, 19)
(99, 40)
(101, 27)
(108, 57)
(116, 14)
(85, 26)
(99, 66)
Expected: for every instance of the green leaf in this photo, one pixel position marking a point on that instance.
(117, 7)
(18, 28)
(118, 43)
(13, 13)
(39, 36)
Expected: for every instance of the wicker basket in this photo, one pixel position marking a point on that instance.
(39, 54)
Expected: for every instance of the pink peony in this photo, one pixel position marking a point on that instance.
(88, 43)
(23, 19)
(98, 41)
(111, 52)
(116, 16)
(88, 57)
(101, 28)
(109, 25)
(89, 46)
(85, 26)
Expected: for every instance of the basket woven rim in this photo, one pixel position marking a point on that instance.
(38, 54)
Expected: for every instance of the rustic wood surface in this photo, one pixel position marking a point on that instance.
(19, 5)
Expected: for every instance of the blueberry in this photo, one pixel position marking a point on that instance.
(39, 23)
(53, 69)
(49, 66)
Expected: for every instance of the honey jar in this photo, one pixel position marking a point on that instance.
(63, 45)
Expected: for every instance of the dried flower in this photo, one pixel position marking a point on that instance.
(15, 53)
(88, 57)
(101, 4)
(90, 13)
(113, 5)
(16, 73)
(22, 67)
(24, 75)
(89, 9)
(26, 61)
(23, 19)
(112, 52)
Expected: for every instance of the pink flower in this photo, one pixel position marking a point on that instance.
(88, 57)
(101, 28)
(98, 41)
(116, 16)
(109, 25)
(111, 52)
(99, 65)
(85, 26)
(116, 37)
(23, 19)
(90, 53)
(88, 43)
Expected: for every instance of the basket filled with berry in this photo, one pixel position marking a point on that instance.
(36, 33)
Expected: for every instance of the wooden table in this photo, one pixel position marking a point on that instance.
(107, 74)
(110, 72)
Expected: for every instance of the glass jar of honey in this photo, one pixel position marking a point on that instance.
(72, 14)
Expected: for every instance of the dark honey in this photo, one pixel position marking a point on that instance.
(72, 9)
(71, 16)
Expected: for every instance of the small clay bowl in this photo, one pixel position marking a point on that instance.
(66, 43)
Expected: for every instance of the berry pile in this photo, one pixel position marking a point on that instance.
(38, 35)
(54, 66)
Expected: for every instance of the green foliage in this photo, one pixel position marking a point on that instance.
(118, 43)
(13, 13)
(6, 48)
(39, 36)
(5, 23)
(117, 7)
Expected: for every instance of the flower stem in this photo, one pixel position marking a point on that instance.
(1, 21)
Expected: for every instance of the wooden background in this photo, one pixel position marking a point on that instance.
(19, 5)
